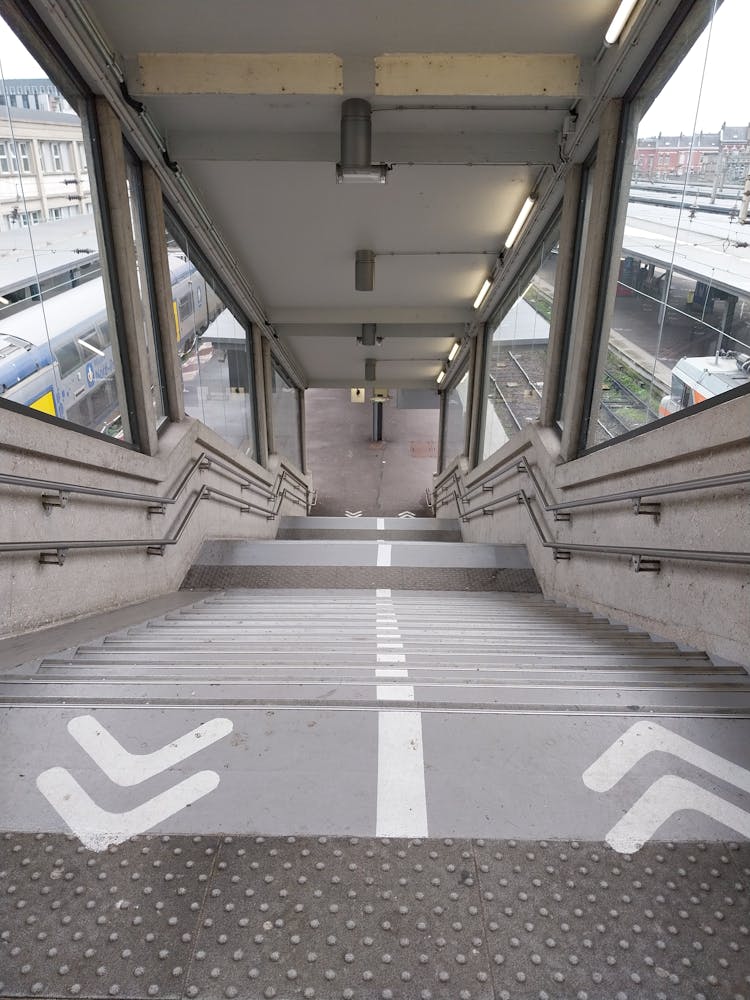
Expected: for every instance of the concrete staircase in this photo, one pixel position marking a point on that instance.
(469, 632)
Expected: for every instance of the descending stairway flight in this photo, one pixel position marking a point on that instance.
(377, 678)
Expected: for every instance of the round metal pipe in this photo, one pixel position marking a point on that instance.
(356, 133)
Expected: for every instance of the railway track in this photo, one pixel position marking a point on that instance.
(517, 382)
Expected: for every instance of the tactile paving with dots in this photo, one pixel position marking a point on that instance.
(580, 921)
(74, 923)
(339, 919)
(346, 918)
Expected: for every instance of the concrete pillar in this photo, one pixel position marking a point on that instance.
(131, 332)
(441, 434)
(302, 431)
(553, 375)
(163, 300)
(259, 390)
(267, 395)
(594, 273)
(477, 395)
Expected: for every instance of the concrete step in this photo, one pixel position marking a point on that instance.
(630, 697)
(374, 528)
(346, 563)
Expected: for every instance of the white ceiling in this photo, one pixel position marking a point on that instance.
(264, 163)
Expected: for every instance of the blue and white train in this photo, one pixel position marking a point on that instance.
(56, 356)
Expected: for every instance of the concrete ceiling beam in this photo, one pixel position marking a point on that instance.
(160, 73)
(370, 314)
(496, 148)
(451, 331)
(405, 74)
(477, 74)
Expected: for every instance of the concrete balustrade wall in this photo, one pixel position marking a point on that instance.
(33, 595)
(705, 605)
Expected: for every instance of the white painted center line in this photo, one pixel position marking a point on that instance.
(381, 524)
(402, 798)
(395, 692)
(384, 555)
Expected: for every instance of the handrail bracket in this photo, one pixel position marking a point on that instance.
(56, 558)
(51, 500)
(642, 564)
(653, 508)
(158, 508)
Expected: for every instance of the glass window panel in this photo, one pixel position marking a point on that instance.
(52, 285)
(143, 266)
(455, 416)
(517, 350)
(677, 331)
(213, 344)
(285, 410)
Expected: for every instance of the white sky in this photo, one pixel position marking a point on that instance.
(15, 61)
(725, 96)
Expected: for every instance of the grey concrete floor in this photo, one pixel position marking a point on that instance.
(353, 472)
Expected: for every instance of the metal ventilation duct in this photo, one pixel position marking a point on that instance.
(368, 335)
(364, 270)
(356, 166)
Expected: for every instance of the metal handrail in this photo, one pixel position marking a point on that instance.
(54, 551)
(522, 465)
(644, 558)
(244, 478)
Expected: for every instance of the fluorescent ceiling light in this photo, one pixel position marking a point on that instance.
(518, 224)
(441, 376)
(619, 21)
(454, 351)
(482, 293)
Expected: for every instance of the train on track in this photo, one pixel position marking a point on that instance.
(56, 356)
(697, 379)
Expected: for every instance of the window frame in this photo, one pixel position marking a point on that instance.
(679, 35)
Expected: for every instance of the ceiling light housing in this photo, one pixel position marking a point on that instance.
(441, 376)
(454, 350)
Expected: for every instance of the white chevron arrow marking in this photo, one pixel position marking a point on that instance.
(98, 829)
(127, 769)
(662, 800)
(669, 794)
(646, 737)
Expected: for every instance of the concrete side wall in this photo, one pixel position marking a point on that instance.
(33, 595)
(706, 605)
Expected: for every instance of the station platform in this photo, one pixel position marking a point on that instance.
(377, 792)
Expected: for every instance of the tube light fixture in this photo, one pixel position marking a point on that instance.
(441, 376)
(454, 350)
(482, 293)
(619, 21)
(519, 223)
